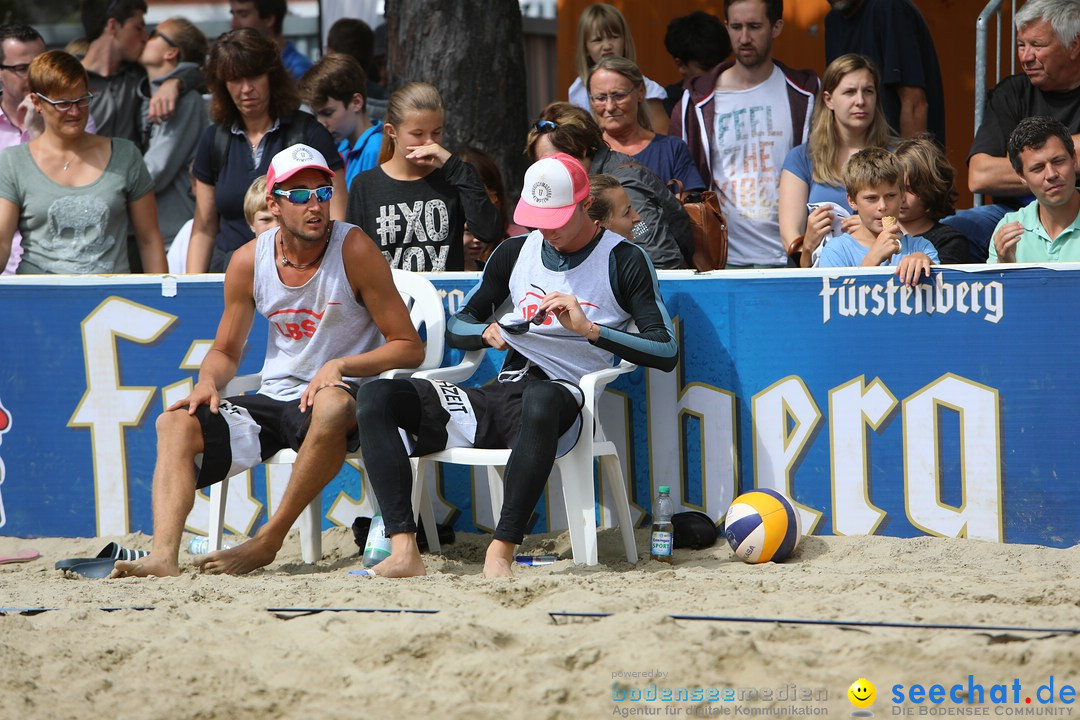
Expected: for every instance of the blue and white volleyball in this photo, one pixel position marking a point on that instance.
(762, 525)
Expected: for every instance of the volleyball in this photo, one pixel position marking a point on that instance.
(762, 525)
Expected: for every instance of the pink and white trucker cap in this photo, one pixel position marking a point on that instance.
(553, 187)
(292, 160)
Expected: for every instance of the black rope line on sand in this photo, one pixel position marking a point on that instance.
(288, 613)
(572, 616)
(38, 610)
(876, 624)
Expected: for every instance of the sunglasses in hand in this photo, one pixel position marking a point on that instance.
(520, 328)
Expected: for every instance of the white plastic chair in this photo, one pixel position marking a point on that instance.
(575, 468)
(426, 310)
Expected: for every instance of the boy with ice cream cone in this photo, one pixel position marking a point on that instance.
(872, 180)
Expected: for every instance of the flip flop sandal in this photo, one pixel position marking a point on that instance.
(19, 556)
(111, 552)
(365, 573)
(95, 569)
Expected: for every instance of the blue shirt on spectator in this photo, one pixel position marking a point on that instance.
(294, 61)
(669, 157)
(799, 164)
(846, 251)
(364, 153)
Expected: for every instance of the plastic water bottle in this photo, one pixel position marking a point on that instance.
(200, 545)
(377, 545)
(662, 530)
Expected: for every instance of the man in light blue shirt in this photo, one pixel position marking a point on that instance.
(1043, 154)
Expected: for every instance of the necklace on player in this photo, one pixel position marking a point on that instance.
(305, 266)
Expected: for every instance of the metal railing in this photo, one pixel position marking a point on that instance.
(992, 11)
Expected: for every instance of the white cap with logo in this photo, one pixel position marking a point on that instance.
(292, 160)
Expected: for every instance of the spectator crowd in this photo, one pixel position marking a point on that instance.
(137, 150)
(307, 183)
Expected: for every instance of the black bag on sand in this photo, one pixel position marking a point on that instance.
(361, 524)
(693, 529)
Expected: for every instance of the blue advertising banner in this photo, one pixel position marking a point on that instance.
(943, 410)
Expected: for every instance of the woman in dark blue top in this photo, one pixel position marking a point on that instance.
(255, 114)
(617, 95)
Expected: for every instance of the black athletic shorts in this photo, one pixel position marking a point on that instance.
(248, 429)
(480, 417)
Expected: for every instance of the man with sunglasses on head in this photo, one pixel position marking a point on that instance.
(336, 320)
(573, 288)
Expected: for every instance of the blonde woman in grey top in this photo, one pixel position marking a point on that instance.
(72, 194)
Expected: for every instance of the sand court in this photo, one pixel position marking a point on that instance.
(559, 641)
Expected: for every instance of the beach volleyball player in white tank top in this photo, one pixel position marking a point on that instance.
(335, 321)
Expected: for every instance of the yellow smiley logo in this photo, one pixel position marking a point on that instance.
(862, 693)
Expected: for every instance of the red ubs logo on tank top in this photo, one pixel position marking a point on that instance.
(530, 305)
(297, 323)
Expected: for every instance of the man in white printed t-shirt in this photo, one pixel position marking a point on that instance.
(740, 119)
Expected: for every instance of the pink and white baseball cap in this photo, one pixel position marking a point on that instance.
(292, 160)
(553, 187)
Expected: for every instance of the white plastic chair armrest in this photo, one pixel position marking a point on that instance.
(595, 382)
(455, 373)
(396, 372)
(242, 384)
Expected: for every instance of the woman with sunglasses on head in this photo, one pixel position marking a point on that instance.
(72, 194)
(664, 230)
(415, 204)
(255, 110)
(617, 93)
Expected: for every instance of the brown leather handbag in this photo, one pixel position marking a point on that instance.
(709, 228)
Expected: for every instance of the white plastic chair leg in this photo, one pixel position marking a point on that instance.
(218, 493)
(576, 469)
(495, 477)
(311, 531)
(422, 505)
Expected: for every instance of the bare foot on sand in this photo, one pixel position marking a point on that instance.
(497, 561)
(395, 567)
(245, 557)
(404, 560)
(148, 566)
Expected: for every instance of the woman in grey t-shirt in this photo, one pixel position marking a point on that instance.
(71, 193)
